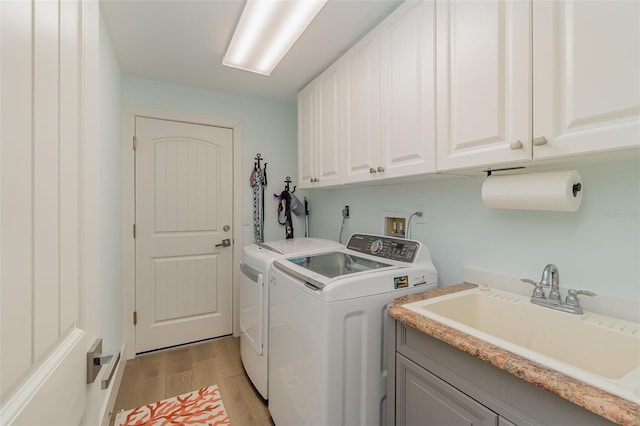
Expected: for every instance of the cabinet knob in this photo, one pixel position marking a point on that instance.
(372, 170)
(515, 145)
(380, 169)
(539, 141)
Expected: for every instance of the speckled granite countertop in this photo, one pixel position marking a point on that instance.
(609, 406)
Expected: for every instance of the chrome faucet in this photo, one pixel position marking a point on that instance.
(551, 278)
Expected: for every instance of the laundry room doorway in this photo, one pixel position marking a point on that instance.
(183, 232)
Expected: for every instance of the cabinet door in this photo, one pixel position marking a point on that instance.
(362, 110)
(504, 422)
(424, 399)
(330, 111)
(407, 72)
(307, 121)
(484, 82)
(586, 76)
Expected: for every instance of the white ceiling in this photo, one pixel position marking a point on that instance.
(183, 42)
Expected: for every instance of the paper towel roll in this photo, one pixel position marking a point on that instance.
(534, 191)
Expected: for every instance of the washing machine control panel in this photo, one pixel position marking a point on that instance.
(397, 249)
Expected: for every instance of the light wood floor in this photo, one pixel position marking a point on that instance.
(160, 375)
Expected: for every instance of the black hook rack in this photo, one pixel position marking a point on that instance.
(287, 182)
(256, 167)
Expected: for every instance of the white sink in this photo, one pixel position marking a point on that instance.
(599, 350)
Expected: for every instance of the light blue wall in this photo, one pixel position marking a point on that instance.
(110, 194)
(268, 128)
(596, 248)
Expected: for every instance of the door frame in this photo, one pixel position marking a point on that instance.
(128, 207)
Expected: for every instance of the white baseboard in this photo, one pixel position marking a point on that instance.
(110, 400)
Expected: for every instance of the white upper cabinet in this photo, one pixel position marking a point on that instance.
(362, 110)
(320, 131)
(407, 74)
(577, 91)
(307, 136)
(389, 97)
(483, 82)
(475, 83)
(330, 127)
(586, 58)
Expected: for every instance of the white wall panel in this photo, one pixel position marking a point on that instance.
(183, 202)
(70, 119)
(110, 114)
(46, 159)
(17, 233)
(195, 296)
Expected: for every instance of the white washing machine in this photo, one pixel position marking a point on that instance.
(327, 363)
(254, 301)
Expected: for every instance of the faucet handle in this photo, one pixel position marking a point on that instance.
(572, 296)
(538, 291)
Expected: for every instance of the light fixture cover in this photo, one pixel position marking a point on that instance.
(266, 31)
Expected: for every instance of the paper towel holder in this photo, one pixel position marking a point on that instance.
(576, 187)
(489, 171)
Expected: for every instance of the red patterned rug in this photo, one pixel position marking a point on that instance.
(201, 407)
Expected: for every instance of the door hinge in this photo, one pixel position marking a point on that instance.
(134, 230)
(135, 317)
(135, 143)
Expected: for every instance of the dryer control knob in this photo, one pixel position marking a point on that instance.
(376, 246)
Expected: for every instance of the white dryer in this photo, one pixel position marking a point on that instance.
(254, 301)
(327, 361)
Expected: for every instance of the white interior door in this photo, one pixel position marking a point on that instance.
(49, 312)
(183, 214)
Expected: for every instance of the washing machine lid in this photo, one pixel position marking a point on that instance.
(337, 263)
(299, 245)
(320, 269)
(364, 254)
(260, 256)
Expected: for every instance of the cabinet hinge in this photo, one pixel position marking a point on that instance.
(135, 143)
(135, 317)
(134, 230)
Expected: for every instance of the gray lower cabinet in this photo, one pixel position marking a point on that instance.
(433, 383)
(421, 396)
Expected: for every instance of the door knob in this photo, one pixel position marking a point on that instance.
(225, 243)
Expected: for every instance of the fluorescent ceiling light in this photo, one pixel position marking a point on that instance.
(266, 31)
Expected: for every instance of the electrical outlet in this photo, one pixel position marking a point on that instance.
(345, 212)
(423, 218)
